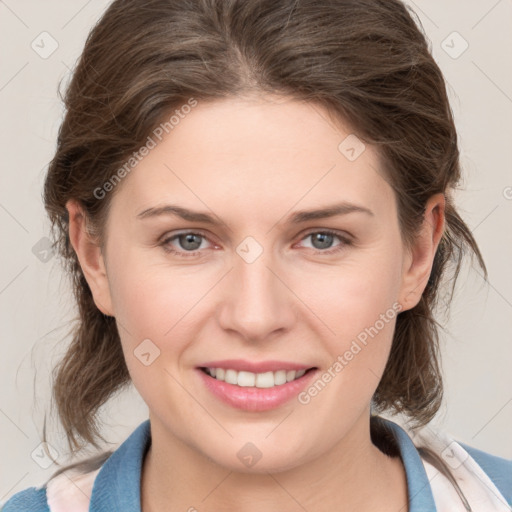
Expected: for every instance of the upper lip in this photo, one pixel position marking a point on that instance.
(255, 367)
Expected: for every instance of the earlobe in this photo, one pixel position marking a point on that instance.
(420, 258)
(90, 257)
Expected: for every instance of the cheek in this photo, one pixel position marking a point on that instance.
(353, 295)
(152, 321)
(358, 302)
(148, 299)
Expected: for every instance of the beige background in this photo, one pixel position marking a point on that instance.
(35, 303)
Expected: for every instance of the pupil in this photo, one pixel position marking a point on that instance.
(189, 238)
(322, 237)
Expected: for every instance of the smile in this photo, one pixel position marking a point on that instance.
(255, 392)
(250, 379)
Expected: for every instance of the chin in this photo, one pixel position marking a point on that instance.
(249, 459)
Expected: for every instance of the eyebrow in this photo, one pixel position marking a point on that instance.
(298, 217)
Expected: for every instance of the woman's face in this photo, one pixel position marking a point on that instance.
(260, 283)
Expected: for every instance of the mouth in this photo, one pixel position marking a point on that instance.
(255, 392)
(244, 379)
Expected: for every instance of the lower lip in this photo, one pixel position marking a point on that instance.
(253, 398)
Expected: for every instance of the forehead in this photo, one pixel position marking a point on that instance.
(255, 155)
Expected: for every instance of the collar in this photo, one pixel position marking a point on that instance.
(117, 485)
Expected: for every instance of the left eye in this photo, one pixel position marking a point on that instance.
(324, 240)
(190, 242)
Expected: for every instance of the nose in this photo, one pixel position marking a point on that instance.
(258, 304)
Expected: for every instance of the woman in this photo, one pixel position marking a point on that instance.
(254, 201)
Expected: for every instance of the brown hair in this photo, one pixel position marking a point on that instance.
(366, 61)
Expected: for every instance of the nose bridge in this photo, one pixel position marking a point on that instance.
(259, 303)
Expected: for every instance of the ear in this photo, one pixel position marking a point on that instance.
(90, 257)
(419, 259)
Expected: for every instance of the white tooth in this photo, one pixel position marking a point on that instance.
(246, 379)
(280, 377)
(231, 377)
(290, 375)
(260, 380)
(265, 380)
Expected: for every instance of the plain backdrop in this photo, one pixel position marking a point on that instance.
(471, 41)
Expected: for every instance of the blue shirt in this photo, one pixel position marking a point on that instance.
(117, 485)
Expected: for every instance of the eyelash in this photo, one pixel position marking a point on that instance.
(184, 254)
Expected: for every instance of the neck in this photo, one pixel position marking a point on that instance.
(354, 474)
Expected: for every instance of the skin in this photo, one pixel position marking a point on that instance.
(252, 162)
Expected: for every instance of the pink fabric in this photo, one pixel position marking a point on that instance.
(479, 490)
(70, 491)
